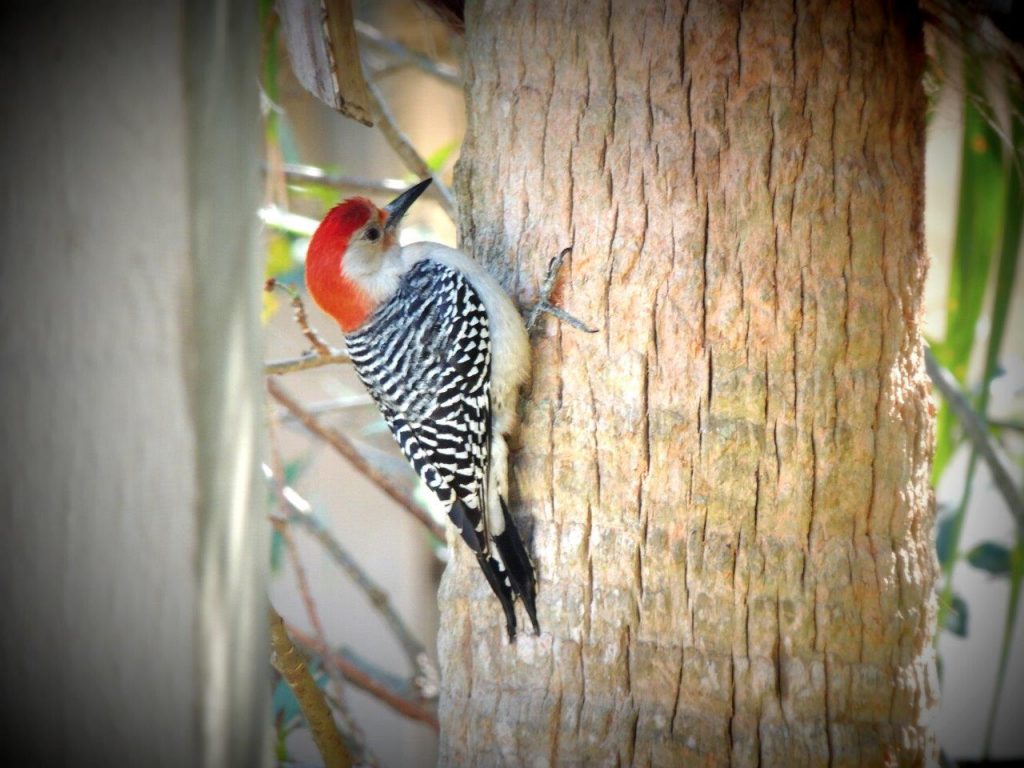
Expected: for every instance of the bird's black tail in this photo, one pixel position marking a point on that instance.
(518, 565)
(466, 520)
(492, 570)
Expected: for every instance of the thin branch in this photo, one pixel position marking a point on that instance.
(322, 354)
(377, 596)
(362, 679)
(1013, 426)
(974, 429)
(286, 221)
(309, 174)
(298, 512)
(376, 39)
(347, 449)
(321, 347)
(379, 73)
(400, 686)
(406, 151)
(335, 404)
(293, 669)
(296, 173)
(305, 363)
(353, 733)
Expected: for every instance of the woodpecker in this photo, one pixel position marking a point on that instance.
(442, 351)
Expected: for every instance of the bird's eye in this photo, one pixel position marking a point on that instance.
(372, 234)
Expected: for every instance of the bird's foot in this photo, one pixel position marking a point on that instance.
(544, 304)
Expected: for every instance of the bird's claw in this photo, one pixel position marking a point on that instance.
(544, 304)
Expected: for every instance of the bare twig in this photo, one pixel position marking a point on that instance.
(347, 449)
(296, 173)
(286, 221)
(360, 678)
(353, 732)
(344, 403)
(300, 575)
(304, 363)
(379, 73)
(321, 347)
(310, 174)
(543, 303)
(378, 597)
(376, 39)
(974, 429)
(1010, 424)
(293, 669)
(406, 151)
(299, 512)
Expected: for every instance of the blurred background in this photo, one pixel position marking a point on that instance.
(131, 576)
(315, 157)
(304, 138)
(974, 300)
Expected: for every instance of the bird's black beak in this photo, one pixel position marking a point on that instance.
(396, 208)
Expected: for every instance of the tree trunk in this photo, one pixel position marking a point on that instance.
(728, 485)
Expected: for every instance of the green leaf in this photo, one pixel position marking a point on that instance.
(270, 24)
(1013, 602)
(279, 256)
(1012, 199)
(991, 557)
(980, 214)
(293, 469)
(270, 305)
(956, 617)
(328, 197)
(984, 204)
(287, 141)
(285, 706)
(437, 159)
(945, 539)
(1006, 273)
(1009, 247)
(979, 224)
(276, 551)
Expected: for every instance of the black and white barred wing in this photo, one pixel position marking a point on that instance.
(425, 358)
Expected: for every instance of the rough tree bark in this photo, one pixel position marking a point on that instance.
(728, 486)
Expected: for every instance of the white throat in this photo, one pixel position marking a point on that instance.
(374, 270)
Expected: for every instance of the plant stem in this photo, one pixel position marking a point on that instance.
(347, 449)
(1016, 576)
(293, 669)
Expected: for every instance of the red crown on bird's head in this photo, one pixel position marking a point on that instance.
(334, 293)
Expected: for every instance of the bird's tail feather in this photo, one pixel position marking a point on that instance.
(492, 570)
(518, 565)
(467, 520)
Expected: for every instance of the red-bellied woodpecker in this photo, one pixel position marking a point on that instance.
(443, 351)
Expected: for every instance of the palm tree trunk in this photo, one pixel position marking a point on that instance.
(728, 485)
